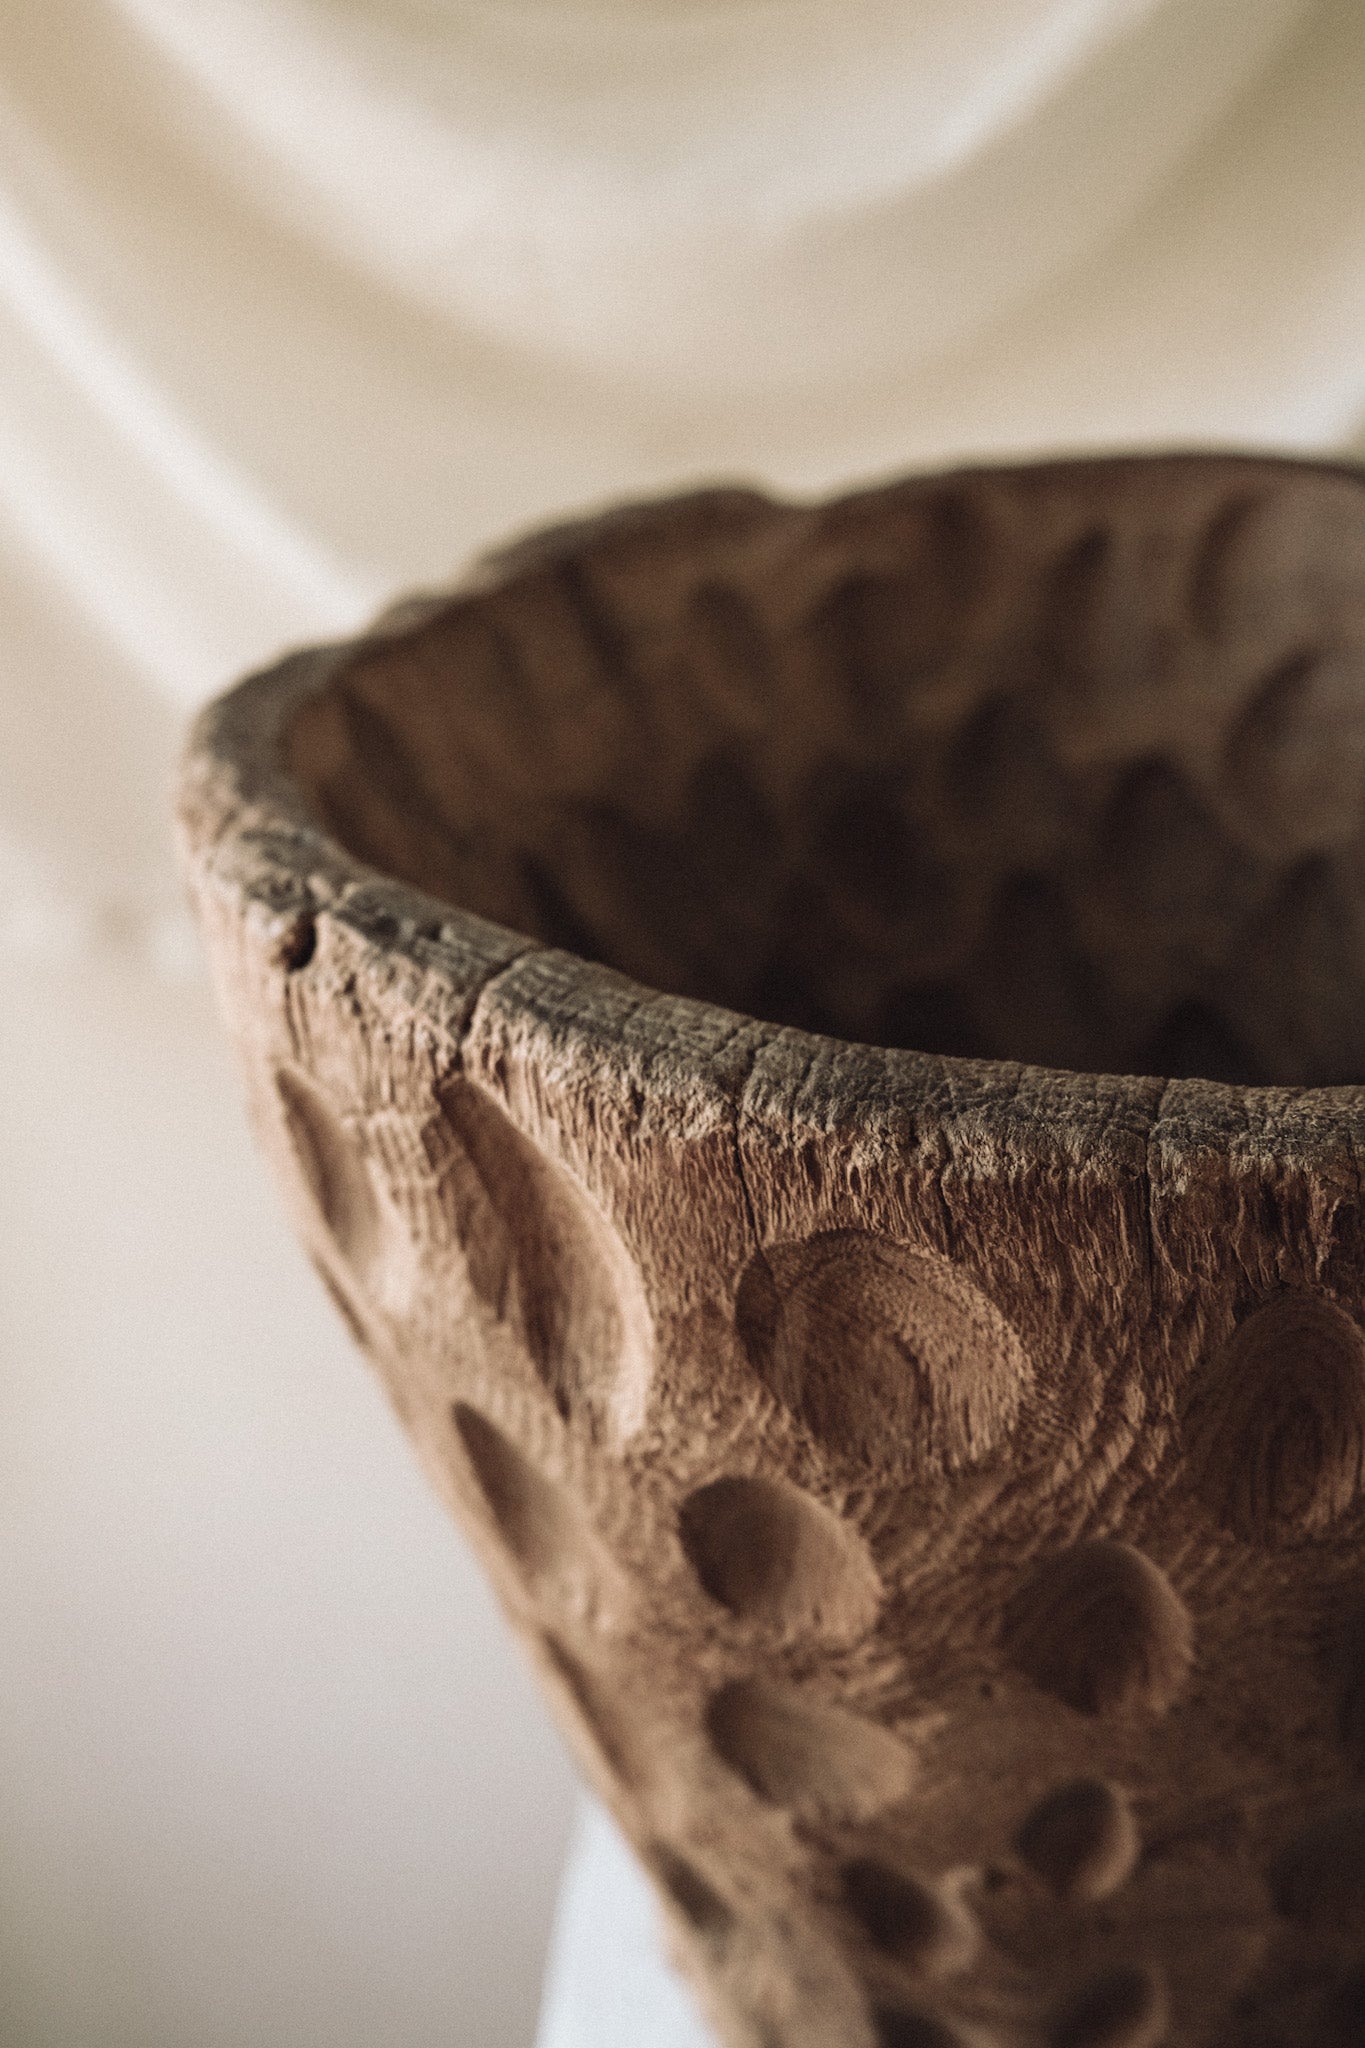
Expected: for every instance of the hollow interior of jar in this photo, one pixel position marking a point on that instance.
(1062, 765)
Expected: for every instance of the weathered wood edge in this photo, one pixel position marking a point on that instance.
(246, 829)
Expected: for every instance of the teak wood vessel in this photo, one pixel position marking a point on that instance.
(906, 1378)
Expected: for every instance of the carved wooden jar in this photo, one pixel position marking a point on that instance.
(818, 1050)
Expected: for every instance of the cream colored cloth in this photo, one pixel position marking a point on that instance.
(301, 301)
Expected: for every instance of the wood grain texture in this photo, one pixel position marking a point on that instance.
(820, 1051)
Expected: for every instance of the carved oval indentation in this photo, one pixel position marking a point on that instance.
(1101, 1627)
(335, 1174)
(1276, 1424)
(543, 1257)
(694, 1896)
(1081, 1840)
(730, 656)
(819, 1762)
(771, 1554)
(1295, 758)
(1282, 558)
(1176, 883)
(1125, 2008)
(902, 1916)
(560, 1555)
(871, 629)
(1318, 1878)
(889, 1355)
(881, 878)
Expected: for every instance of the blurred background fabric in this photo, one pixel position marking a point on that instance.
(301, 301)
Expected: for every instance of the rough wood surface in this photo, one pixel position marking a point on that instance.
(926, 1471)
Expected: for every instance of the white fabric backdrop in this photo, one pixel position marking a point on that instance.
(300, 300)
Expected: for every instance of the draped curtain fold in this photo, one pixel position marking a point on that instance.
(302, 299)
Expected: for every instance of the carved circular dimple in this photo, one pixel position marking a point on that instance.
(560, 1555)
(335, 1174)
(1101, 1627)
(542, 1257)
(1318, 1878)
(770, 1554)
(1081, 1840)
(902, 1916)
(1276, 1422)
(700, 1904)
(1124, 2008)
(820, 1763)
(888, 1354)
